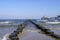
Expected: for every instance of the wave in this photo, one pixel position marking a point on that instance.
(6, 37)
(5, 22)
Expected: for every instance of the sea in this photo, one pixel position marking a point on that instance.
(10, 27)
(6, 28)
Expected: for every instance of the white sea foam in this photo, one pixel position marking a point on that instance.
(6, 37)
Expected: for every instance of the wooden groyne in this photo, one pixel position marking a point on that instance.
(46, 31)
(14, 35)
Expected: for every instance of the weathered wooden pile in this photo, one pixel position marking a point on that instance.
(46, 31)
(14, 35)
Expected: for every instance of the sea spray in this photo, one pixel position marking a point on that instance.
(6, 37)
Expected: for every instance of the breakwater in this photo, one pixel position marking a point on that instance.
(46, 31)
(14, 35)
(31, 31)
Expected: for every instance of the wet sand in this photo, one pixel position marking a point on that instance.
(30, 34)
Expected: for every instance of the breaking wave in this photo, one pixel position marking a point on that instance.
(5, 37)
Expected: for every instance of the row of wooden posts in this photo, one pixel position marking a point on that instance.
(14, 35)
(46, 31)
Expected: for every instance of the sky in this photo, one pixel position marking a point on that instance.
(28, 9)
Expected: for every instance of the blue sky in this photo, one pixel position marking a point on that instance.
(28, 9)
